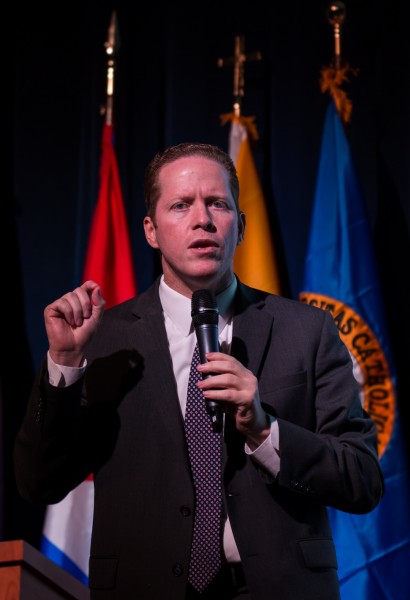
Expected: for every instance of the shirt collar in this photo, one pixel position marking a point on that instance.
(178, 307)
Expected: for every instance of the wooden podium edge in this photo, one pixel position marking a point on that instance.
(19, 552)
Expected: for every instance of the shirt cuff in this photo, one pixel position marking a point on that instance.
(267, 454)
(62, 376)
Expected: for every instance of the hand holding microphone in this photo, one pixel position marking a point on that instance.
(240, 397)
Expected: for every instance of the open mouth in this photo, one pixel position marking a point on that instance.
(203, 245)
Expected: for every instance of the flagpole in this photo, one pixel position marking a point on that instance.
(109, 259)
(111, 47)
(336, 14)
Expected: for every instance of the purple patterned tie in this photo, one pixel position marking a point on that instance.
(205, 454)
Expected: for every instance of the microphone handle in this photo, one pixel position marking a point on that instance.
(207, 337)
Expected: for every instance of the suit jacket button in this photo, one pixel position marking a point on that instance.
(185, 511)
(177, 570)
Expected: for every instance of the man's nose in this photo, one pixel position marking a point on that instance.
(203, 217)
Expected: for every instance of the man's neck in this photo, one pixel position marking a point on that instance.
(187, 288)
(224, 298)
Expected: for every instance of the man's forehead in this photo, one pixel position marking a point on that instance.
(194, 170)
(193, 162)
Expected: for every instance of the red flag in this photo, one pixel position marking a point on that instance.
(109, 257)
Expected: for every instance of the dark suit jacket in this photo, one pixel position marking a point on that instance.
(123, 423)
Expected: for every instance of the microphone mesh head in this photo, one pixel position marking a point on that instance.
(204, 309)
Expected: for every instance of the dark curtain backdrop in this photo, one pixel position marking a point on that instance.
(169, 89)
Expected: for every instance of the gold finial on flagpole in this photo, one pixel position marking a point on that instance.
(336, 14)
(336, 74)
(111, 47)
(238, 60)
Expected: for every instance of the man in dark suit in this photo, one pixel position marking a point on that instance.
(110, 400)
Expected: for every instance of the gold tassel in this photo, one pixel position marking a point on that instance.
(332, 79)
(247, 122)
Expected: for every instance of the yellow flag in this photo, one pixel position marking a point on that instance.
(255, 260)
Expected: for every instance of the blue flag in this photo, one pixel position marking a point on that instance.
(341, 275)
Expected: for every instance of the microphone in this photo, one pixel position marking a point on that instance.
(204, 313)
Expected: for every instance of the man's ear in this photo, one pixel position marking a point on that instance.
(150, 232)
(241, 226)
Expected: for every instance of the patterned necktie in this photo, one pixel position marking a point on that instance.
(205, 454)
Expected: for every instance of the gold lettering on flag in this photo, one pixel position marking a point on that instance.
(377, 390)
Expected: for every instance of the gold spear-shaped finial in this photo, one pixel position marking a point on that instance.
(111, 47)
(334, 76)
(336, 13)
(238, 60)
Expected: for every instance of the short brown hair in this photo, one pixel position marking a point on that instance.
(169, 155)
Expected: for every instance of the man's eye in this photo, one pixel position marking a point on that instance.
(219, 204)
(180, 206)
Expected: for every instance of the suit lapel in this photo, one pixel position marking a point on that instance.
(252, 328)
(149, 330)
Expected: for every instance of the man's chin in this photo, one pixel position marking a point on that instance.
(207, 277)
